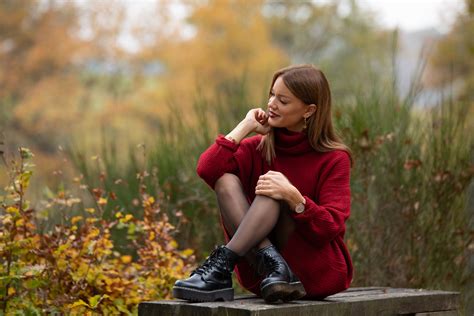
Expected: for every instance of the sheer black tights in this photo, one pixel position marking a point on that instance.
(255, 226)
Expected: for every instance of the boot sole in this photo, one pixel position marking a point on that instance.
(282, 290)
(194, 295)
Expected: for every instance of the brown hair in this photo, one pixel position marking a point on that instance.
(310, 85)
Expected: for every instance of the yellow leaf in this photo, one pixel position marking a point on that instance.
(12, 210)
(25, 179)
(91, 220)
(174, 244)
(78, 303)
(76, 219)
(118, 215)
(20, 222)
(11, 291)
(149, 201)
(94, 232)
(94, 301)
(152, 236)
(126, 259)
(128, 217)
(90, 210)
(7, 220)
(102, 201)
(187, 252)
(62, 264)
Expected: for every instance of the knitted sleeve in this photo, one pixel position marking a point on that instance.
(221, 157)
(321, 222)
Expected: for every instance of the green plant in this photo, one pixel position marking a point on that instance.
(412, 166)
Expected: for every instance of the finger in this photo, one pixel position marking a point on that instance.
(274, 173)
(263, 192)
(262, 184)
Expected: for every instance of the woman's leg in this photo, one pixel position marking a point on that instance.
(249, 225)
(283, 228)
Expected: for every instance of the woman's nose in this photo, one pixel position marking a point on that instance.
(271, 102)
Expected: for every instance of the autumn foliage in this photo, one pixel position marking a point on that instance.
(74, 268)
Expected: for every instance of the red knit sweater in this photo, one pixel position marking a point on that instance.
(315, 251)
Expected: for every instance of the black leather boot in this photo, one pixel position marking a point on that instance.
(280, 282)
(211, 281)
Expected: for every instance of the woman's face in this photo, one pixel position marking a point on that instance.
(284, 109)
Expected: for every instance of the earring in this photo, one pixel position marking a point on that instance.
(305, 122)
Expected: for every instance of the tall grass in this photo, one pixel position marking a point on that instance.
(180, 139)
(408, 225)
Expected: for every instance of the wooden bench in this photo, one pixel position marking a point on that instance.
(353, 301)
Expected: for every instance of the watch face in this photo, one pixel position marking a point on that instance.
(299, 208)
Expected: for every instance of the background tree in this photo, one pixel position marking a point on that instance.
(231, 40)
(337, 36)
(452, 61)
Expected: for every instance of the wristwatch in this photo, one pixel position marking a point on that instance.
(300, 207)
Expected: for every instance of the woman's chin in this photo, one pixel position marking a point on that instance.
(273, 122)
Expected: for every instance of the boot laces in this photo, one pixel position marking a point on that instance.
(216, 257)
(268, 264)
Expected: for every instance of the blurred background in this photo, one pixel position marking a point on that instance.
(101, 90)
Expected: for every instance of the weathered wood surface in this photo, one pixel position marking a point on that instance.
(354, 301)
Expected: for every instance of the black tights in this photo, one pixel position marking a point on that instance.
(251, 227)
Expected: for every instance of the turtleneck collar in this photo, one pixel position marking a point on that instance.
(292, 143)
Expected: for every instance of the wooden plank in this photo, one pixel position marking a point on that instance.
(442, 313)
(357, 301)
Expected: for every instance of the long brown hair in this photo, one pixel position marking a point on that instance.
(310, 85)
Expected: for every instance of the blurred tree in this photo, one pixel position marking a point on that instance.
(337, 36)
(453, 58)
(50, 58)
(37, 84)
(230, 40)
(36, 50)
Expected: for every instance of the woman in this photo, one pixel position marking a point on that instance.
(284, 197)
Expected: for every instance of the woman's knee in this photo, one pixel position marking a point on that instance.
(228, 183)
(269, 201)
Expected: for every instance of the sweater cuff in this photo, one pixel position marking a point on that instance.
(224, 142)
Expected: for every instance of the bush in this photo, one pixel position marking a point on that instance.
(75, 267)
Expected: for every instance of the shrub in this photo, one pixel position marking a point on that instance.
(74, 267)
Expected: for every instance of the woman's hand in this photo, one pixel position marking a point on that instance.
(256, 120)
(275, 185)
(259, 119)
